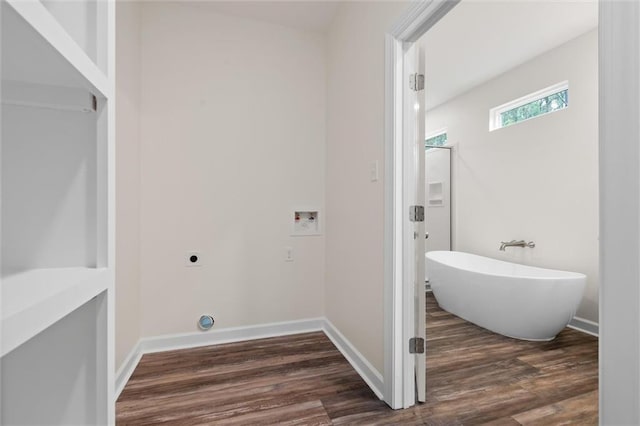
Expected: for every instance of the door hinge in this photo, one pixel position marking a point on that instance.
(416, 82)
(416, 213)
(416, 345)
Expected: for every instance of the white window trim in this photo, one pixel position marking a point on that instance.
(437, 133)
(495, 114)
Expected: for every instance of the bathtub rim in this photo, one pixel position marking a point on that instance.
(565, 275)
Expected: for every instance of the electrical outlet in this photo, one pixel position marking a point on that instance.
(288, 254)
(193, 258)
(374, 173)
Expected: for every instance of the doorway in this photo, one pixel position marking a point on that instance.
(619, 43)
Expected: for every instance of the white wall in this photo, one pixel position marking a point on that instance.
(536, 180)
(233, 139)
(127, 178)
(355, 205)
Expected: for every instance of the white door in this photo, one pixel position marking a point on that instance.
(414, 234)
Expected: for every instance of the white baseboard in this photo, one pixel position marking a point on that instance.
(585, 326)
(228, 335)
(369, 374)
(238, 334)
(126, 369)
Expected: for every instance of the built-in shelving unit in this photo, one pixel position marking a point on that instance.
(57, 211)
(35, 299)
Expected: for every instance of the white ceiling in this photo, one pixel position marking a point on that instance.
(475, 42)
(478, 40)
(299, 14)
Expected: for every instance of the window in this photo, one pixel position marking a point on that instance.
(436, 139)
(542, 102)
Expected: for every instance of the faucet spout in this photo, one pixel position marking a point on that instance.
(514, 243)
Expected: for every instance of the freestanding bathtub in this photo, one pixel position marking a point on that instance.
(514, 300)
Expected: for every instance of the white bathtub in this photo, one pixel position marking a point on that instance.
(514, 300)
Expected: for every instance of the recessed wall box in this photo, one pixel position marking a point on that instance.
(306, 222)
(435, 194)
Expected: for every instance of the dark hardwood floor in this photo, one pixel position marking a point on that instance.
(473, 377)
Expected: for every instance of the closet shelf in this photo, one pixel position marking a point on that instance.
(54, 57)
(35, 299)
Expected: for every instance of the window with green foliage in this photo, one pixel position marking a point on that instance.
(437, 140)
(545, 101)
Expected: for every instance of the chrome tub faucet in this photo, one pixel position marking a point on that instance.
(514, 243)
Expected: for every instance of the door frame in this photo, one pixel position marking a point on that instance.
(619, 206)
(399, 391)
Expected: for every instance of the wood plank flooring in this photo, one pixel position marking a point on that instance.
(473, 377)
